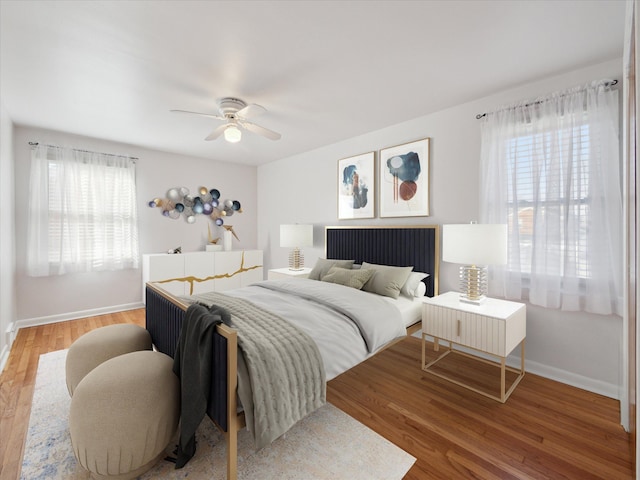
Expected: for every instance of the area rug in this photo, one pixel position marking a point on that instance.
(328, 444)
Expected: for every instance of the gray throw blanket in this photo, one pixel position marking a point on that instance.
(286, 372)
(192, 365)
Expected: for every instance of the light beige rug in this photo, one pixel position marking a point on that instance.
(328, 444)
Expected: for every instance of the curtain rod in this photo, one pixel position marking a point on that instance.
(608, 84)
(35, 144)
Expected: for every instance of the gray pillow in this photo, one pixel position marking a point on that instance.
(323, 265)
(350, 278)
(387, 280)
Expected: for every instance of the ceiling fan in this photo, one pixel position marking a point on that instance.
(236, 114)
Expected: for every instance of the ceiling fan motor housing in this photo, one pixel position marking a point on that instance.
(229, 106)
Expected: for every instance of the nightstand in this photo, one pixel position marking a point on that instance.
(495, 328)
(275, 273)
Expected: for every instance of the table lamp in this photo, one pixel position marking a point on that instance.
(475, 246)
(294, 237)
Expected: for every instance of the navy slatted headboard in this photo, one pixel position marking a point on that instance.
(398, 246)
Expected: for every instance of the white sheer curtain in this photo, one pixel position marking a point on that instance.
(82, 212)
(551, 171)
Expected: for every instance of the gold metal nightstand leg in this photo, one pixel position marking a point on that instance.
(502, 378)
(504, 395)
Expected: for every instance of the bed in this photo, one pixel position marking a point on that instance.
(415, 246)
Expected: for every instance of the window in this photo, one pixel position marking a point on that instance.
(82, 212)
(550, 171)
(531, 199)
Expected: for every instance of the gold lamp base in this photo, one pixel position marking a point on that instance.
(473, 284)
(296, 259)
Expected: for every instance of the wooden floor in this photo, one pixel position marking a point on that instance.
(545, 430)
(18, 378)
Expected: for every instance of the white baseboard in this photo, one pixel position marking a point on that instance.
(12, 329)
(553, 373)
(9, 337)
(10, 333)
(573, 379)
(4, 356)
(63, 317)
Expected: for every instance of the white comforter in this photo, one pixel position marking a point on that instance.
(348, 325)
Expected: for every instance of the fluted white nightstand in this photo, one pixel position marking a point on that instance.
(275, 273)
(495, 327)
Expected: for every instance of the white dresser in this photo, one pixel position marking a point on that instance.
(197, 272)
(495, 327)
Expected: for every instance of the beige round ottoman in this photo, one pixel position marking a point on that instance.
(124, 413)
(100, 345)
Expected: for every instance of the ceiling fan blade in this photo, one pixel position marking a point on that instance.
(217, 132)
(250, 111)
(210, 115)
(265, 132)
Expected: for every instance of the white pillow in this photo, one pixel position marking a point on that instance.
(421, 290)
(409, 289)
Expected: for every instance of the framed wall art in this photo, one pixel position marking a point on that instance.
(404, 180)
(356, 186)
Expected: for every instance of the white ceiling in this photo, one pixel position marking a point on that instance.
(325, 70)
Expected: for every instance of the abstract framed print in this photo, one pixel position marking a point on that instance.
(356, 186)
(404, 180)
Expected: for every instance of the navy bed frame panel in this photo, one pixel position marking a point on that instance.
(164, 321)
(399, 246)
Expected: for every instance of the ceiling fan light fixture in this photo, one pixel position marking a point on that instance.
(232, 134)
(235, 114)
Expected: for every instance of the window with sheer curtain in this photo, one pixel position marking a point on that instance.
(82, 212)
(550, 169)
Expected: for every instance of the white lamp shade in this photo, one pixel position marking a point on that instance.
(475, 244)
(293, 236)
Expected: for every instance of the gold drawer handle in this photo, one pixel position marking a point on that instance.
(458, 331)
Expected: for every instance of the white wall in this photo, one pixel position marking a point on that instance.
(41, 299)
(578, 348)
(7, 241)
